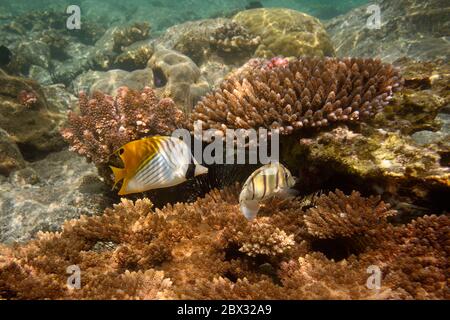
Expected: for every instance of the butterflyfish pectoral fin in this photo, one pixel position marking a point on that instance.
(250, 209)
(287, 193)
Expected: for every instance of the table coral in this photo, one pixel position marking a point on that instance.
(302, 92)
(184, 251)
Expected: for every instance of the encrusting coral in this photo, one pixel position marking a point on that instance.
(192, 251)
(105, 123)
(303, 92)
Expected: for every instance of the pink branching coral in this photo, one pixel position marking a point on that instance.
(304, 92)
(193, 251)
(105, 123)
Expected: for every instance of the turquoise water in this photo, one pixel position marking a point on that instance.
(164, 13)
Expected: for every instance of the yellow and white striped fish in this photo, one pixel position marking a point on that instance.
(269, 180)
(155, 162)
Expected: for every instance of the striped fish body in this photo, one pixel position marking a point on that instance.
(155, 162)
(269, 180)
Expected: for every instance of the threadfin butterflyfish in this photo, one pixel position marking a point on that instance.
(270, 180)
(155, 162)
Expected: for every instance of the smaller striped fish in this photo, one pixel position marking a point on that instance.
(155, 162)
(269, 180)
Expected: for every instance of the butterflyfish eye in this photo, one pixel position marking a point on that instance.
(121, 151)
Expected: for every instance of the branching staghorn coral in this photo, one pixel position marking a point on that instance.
(337, 215)
(303, 92)
(105, 123)
(264, 239)
(191, 250)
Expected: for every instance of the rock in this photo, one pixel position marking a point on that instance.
(374, 161)
(286, 32)
(77, 61)
(426, 92)
(178, 77)
(439, 140)
(40, 74)
(34, 52)
(61, 100)
(10, 157)
(48, 192)
(108, 82)
(26, 115)
(412, 28)
(219, 39)
(114, 41)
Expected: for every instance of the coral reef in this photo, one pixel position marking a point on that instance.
(426, 92)
(115, 42)
(178, 77)
(374, 160)
(106, 123)
(134, 56)
(27, 116)
(233, 38)
(109, 82)
(337, 215)
(184, 251)
(286, 32)
(40, 39)
(212, 39)
(410, 28)
(307, 92)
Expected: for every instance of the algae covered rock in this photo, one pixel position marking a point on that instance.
(373, 160)
(426, 92)
(27, 116)
(286, 32)
(10, 157)
(134, 56)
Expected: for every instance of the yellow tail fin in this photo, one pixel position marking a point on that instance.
(119, 174)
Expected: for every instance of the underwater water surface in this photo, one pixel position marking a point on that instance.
(272, 149)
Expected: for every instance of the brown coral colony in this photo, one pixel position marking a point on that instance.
(303, 92)
(106, 123)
